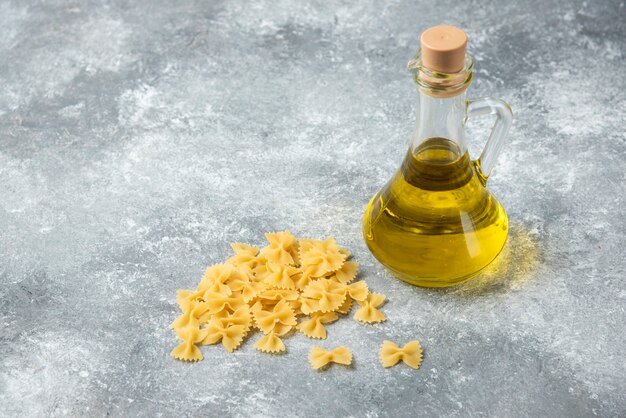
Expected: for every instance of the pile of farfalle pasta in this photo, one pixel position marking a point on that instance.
(288, 285)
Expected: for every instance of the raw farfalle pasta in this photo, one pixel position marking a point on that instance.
(282, 248)
(314, 327)
(217, 302)
(241, 316)
(318, 357)
(323, 295)
(369, 312)
(347, 272)
(229, 334)
(345, 308)
(411, 354)
(357, 291)
(287, 286)
(322, 257)
(270, 343)
(279, 314)
(280, 276)
(245, 256)
(188, 350)
(191, 318)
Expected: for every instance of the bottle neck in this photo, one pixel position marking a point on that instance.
(440, 117)
(441, 105)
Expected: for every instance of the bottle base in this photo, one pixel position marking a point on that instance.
(437, 282)
(431, 282)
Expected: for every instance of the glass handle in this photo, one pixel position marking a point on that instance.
(504, 119)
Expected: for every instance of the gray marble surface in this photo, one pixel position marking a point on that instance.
(137, 139)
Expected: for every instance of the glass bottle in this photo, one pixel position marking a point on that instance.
(435, 223)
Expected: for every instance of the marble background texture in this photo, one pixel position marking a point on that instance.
(138, 139)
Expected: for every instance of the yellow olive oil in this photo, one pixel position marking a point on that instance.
(435, 224)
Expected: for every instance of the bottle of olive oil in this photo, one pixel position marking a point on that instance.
(436, 224)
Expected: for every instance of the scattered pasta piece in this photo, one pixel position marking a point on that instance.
(185, 298)
(287, 285)
(314, 327)
(410, 354)
(270, 343)
(215, 277)
(187, 350)
(245, 256)
(280, 276)
(345, 308)
(322, 258)
(357, 291)
(275, 295)
(347, 272)
(281, 249)
(322, 295)
(318, 357)
(242, 316)
(219, 330)
(307, 244)
(281, 313)
(368, 312)
(190, 318)
(217, 302)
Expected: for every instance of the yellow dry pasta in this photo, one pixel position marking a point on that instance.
(306, 244)
(322, 258)
(411, 354)
(245, 256)
(270, 343)
(215, 278)
(289, 284)
(272, 296)
(217, 302)
(369, 312)
(347, 272)
(248, 289)
(357, 290)
(280, 276)
(322, 295)
(281, 249)
(185, 298)
(281, 313)
(318, 357)
(314, 327)
(345, 307)
(187, 350)
(242, 316)
(190, 318)
(219, 330)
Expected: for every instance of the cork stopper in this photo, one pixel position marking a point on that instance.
(443, 49)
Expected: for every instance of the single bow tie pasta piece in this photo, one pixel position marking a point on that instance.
(280, 276)
(357, 290)
(282, 313)
(187, 350)
(347, 272)
(314, 327)
(218, 330)
(368, 312)
(191, 317)
(318, 357)
(245, 256)
(242, 316)
(411, 354)
(282, 248)
(271, 343)
(322, 257)
(323, 295)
